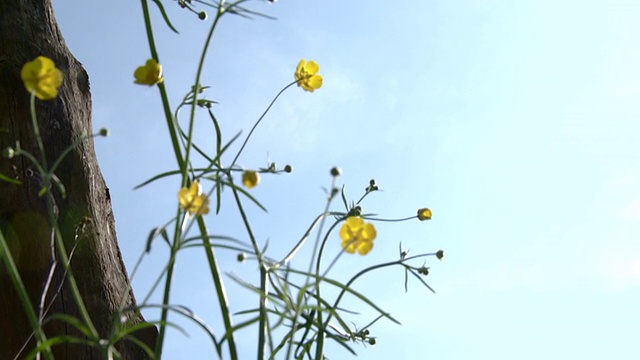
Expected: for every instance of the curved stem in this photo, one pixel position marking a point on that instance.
(364, 271)
(196, 86)
(258, 122)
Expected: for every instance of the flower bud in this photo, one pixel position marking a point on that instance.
(440, 254)
(250, 179)
(372, 186)
(424, 214)
(202, 15)
(241, 257)
(355, 211)
(336, 171)
(104, 132)
(372, 341)
(423, 271)
(288, 169)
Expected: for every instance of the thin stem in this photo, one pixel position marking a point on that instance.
(36, 129)
(7, 259)
(320, 341)
(220, 289)
(258, 122)
(364, 271)
(53, 221)
(262, 327)
(196, 86)
(163, 92)
(175, 246)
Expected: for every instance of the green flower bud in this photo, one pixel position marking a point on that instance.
(104, 132)
(242, 257)
(372, 186)
(202, 15)
(336, 171)
(356, 211)
(288, 169)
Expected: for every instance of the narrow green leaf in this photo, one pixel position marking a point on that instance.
(4, 177)
(73, 321)
(164, 15)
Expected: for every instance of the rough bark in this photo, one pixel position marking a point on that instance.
(28, 29)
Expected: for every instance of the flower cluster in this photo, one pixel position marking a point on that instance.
(41, 77)
(149, 74)
(307, 77)
(357, 235)
(193, 200)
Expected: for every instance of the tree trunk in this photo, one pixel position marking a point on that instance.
(28, 29)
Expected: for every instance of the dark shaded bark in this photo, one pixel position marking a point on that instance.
(28, 29)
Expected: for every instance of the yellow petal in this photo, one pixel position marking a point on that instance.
(140, 75)
(195, 189)
(349, 245)
(364, 247)
(311, 67)
(354, 222)
(369, 232)
(315, 82)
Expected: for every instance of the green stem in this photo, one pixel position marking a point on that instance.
(364, 271)
(220, 288)
(196, 86)
(7, 259)
(53, 221)
(64, 259)
(258, 122)
(320, 342)
(262, 327)
(36, 129)
(163, 93)
(167, 285)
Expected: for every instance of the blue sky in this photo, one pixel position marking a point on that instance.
(515, 121)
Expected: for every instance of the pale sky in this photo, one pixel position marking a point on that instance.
(516, 122)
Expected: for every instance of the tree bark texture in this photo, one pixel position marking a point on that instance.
(28, 29)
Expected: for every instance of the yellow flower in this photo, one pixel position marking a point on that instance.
(357, 235)
(307, 75)
(424, 214)
(149, 74)
(250, 179)
(42, 76)
(193, 200)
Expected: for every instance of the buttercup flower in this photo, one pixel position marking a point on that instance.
(424, 214)
(357, 235)
(307, 75)
(193, 200)
(250, 179)
(42, 76)
(149, 74)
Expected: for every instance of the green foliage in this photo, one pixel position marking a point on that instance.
(297, 310)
